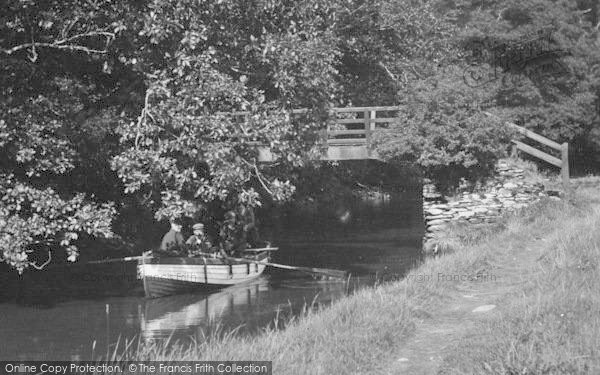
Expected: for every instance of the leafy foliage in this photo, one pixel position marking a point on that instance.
(48, 52)
(491, 63)
(386, 46)
(33, 220)
(184, 153)
(443, 130)
(559, 106)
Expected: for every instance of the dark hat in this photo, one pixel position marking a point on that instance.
(198, 226)
(176, 221)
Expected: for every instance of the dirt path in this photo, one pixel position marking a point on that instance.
(425, 351)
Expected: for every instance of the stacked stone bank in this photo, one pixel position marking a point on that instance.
(507, 191)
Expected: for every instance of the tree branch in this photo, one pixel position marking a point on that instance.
(237, 70)
(65, 44)
(105, 34)
(412, 67)
(54, 45)
(258, 175)
(141, 120)
(388, 72)
(34, 265)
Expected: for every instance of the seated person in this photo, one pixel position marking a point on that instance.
(172, 243)
(198, 243)
(239, 231)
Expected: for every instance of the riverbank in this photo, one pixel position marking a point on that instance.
(520, 297)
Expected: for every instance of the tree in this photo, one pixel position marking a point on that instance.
(186, 154)
(52, 55)
(486, 66)
(560, 104)
(76, 75)
(386, 46)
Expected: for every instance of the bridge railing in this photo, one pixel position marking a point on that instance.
(355, 125)
(348, 125)
(562, 163)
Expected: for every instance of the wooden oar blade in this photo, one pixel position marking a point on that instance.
(326, 272)
(113, 260)
(259, 249)
(323, 272)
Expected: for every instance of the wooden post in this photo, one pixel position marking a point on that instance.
(367, 127)
(373, 117)
(564, 169)
(324, 133)
(371, 128)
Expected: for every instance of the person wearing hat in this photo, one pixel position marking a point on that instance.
(172, 242)
(198, 242)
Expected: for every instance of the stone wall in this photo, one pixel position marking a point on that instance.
(507, 191)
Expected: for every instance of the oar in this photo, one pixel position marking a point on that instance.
(338, 274)
(316, 271)
(253, 250)
(126, 259)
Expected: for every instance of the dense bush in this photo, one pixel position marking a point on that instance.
(444, 132)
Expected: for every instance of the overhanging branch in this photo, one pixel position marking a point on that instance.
(388, 72)
(34, 265)
(258, 175)
(66, 44)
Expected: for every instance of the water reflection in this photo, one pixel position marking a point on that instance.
(163, 317)
(67, 330)
(86, 329)
(245, 307)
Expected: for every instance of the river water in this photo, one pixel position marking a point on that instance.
(372, 240)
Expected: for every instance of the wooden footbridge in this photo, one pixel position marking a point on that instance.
(348, 136)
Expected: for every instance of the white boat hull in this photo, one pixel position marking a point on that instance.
(166, 276)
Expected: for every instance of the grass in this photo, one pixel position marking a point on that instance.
(548, 322)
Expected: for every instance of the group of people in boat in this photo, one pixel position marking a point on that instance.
(174, 244)
(235, 237)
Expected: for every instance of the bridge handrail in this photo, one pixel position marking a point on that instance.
(369, 120)
(334, 109)
(562, 163)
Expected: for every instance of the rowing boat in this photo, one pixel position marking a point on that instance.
(174, 275)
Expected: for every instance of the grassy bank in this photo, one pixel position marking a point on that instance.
(544, 259)
(550, 323)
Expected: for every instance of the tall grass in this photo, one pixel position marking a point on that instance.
(551, 323)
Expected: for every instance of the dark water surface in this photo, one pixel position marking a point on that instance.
(368, 239)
